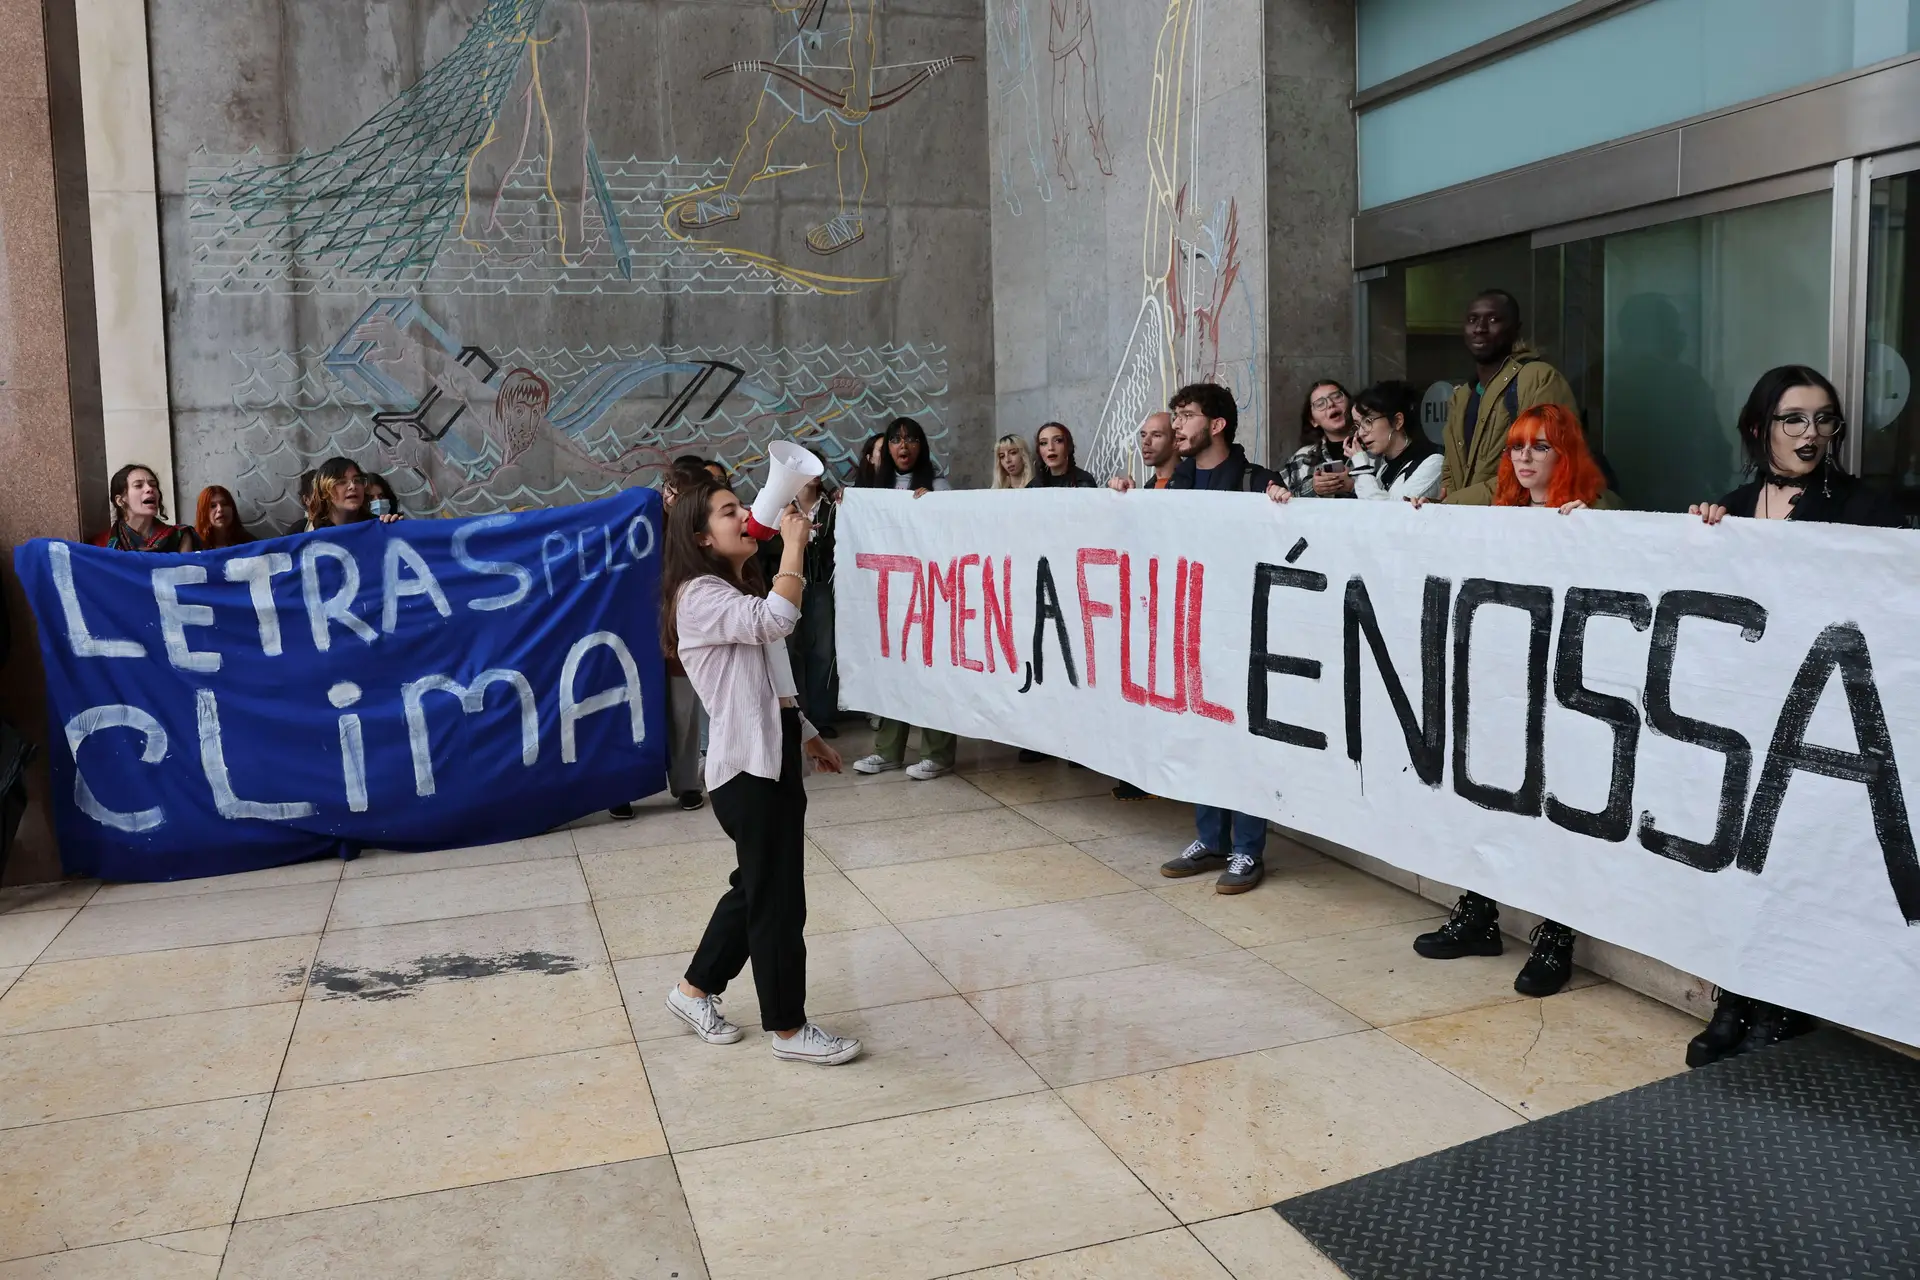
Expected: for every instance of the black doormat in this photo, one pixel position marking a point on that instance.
(1802, 1161)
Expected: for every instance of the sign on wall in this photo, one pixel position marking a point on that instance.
(1694, 742)
(419, 685)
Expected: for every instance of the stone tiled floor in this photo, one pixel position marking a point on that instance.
(457, 1065)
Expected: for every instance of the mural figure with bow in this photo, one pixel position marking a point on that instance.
(825, 74)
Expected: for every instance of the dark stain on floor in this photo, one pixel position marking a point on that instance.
(394, 984)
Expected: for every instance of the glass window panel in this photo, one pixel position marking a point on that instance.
(1642, 68)
(1661, 332)
(1395, 36)
(1889, 430)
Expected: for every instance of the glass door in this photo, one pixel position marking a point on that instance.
(1888, 440)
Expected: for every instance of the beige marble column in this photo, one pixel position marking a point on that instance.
(51, 449)
(124, 212)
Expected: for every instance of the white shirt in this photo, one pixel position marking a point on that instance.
(734, 647)
(1422, 480)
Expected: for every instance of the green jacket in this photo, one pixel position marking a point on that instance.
(1467, 477)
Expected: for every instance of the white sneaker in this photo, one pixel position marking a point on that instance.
(927, 771)
(703, 1015)
(877, 764)
(813, 1043)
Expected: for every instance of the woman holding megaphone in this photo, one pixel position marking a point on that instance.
(730, 632)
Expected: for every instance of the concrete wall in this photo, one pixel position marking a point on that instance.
(1312, 189)
(461, 242)
(1130, 196)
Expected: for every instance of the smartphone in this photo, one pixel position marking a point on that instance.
(1331, 468)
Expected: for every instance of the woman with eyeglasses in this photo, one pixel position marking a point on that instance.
(339, 497)
(1388, 456)
(1547, 467)
(1319, 468)
(1790, 427)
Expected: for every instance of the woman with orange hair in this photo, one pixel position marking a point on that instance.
(1547, 465)
(217, 519)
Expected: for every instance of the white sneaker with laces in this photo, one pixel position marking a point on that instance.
(877, 764)
(703, 1015)
(814, 1043)
(927, 771)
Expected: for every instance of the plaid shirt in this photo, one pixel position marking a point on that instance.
(1297, 472)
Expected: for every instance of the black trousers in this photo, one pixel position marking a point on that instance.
(761, 917)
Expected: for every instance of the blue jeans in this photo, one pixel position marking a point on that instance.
(1224, 831)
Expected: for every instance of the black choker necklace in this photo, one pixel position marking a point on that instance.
(1778, 481)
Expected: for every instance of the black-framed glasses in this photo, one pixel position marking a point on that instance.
(1826, 423)
(1538, 448)
(1327, 401)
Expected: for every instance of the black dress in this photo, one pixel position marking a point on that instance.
(1835, 498)
(1076, 478)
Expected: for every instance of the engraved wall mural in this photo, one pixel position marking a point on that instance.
(520, 252)
(1167, 176)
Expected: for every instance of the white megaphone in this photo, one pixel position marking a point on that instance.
(789, 468)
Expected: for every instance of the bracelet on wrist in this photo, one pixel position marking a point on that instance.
(801, 578)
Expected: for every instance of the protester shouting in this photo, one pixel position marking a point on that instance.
(1157, 453)
(1205, 418)
(1012, 463)
(1789, 428)
(723, 623)
(1058, 469)
(217, 519)
(1546, 466)
(140, 515)
(1509, 379)
(908, 461)
(1318, 468)
(339, 496)
(911, 464)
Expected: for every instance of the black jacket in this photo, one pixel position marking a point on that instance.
(1076, 478)
(1236, 474)
(1851, 502)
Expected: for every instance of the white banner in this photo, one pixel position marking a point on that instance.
(1698, 743)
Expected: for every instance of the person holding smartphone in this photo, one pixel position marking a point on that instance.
(1319, 467)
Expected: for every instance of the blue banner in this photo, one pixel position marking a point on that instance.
(425, 684)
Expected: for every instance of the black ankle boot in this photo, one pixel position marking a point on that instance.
(1472, 930)
(1771, 1025)
(1551, 964)
(1732, 1015)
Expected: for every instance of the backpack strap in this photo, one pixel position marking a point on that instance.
(1512, 396)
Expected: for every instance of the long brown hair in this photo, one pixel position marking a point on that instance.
(682, 558)
(233, 535)
(320, 500)
(117, 492)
